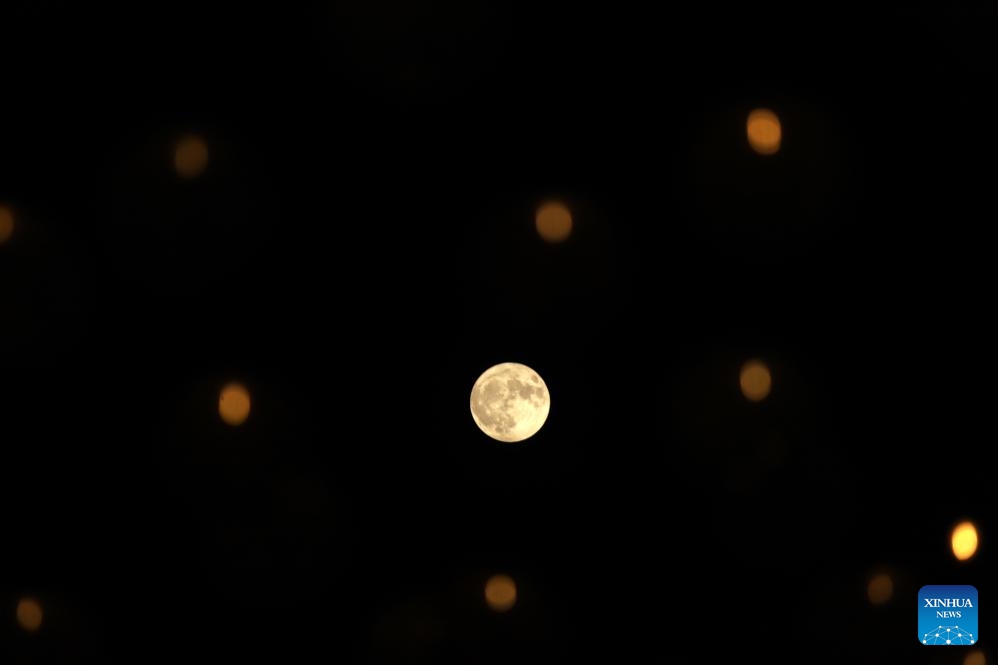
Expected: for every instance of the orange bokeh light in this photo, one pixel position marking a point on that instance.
(554, 222)
(764, 131)
(500, 593)
(964, 540)
(6, 224)
(755, 380)
(234, 404)
(880, 588)
(190, 157)
(29, 614)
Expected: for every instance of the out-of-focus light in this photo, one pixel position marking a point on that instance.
(975, 657)
(234, 404)
(29, 614)
(755, 380)
(190, 157)
(764, 131)
(554, 222)
(964, 540)
(500, 593)
(880, 588)
(6, 224)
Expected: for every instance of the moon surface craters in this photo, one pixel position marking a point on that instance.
(497, 401)
(510, 402)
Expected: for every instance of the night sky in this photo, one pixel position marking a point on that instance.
(360, 246)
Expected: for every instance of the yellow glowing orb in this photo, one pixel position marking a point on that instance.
(500, 593)
(964, 540)
(6, 224)
(234, 404)
(190, 157)
(29, 614)
(764, 131)
(510, 402)
(554, 222)
(755, 380)
(880, 588)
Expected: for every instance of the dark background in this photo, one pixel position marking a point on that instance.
(361, 247)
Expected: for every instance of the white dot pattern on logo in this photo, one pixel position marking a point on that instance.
(945, 635)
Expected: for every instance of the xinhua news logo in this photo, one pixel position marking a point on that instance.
(947, 615)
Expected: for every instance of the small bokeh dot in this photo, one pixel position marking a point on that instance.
(964, 540)
(975, 657)
(755, 380)
(554, 222)
(6, 223)
(764, 131)
(880, 589)
(190, 157)
(234, 404)
(29, 614)
(500, 593)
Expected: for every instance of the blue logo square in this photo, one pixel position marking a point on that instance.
(947, 615)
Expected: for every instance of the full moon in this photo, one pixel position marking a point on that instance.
(510, 402)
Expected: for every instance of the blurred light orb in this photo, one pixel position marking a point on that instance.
(190, 158)
(554, 222)
(29, 614)
(764, 131)
(755, 380)
(975, 657)
(500, 593)
(234, 404)
(880, 588)
(6, 224)
(964, 540)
